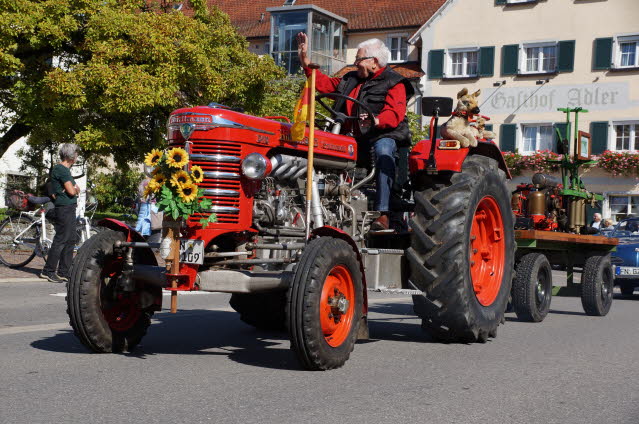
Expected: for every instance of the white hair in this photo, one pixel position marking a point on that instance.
(68, 151)
(376, 48)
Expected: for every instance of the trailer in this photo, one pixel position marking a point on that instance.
(538, 251)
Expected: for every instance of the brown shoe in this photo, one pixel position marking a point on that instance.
(381, 224)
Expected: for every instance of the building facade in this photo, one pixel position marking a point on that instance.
(530, 57)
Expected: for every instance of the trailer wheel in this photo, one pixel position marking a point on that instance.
(102, 320)
(597, 281)
(532, 287)
(324, 304)
(264, 311)
(462, 251)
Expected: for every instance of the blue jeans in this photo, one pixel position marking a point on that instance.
(385, 154)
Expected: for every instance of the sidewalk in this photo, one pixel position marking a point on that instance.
(28, 273)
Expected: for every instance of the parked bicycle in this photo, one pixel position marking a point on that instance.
(26, 233)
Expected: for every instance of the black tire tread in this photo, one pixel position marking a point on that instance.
(434, 256)
(591, 281)
(523, 295)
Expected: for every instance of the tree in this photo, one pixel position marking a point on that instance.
(105, 74)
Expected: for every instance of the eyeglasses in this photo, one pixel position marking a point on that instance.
(359, 59)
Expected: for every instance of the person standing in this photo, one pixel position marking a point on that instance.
(143, 224)
(65, 198)
(385, 92)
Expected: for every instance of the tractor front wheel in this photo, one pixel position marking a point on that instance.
(104, 319)
(462, 251)
(324, 304)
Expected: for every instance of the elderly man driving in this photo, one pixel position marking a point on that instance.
(385, 92)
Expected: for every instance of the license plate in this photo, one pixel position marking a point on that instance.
(627, 270)
(192, 251)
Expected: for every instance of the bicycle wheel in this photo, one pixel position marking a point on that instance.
(18, 240)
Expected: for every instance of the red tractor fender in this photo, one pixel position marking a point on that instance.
(145, 254)
(328, 231)
(452, 160)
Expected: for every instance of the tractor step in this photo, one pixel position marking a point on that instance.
(373, 251)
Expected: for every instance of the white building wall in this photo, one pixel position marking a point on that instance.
(609, 95)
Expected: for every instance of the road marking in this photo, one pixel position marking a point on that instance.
(164, 293)
(32, 328)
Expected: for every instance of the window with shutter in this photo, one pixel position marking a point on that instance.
(435, 64)
(566, 56)
(486, 61)
(538, 58)
(626, 52)
(625, 136)
(599, 137)
(462, 63)
(508, 137)
(602, 57)
(509, 59)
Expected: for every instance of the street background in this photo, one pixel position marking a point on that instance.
(204, 365)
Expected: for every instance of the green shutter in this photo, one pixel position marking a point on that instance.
(598, 137)
(561, 126)
(500, 2)
(602, 57)
(509, 59)
(435, 64)
(488, 127)
(566, 60)
(486, 61)
(508, 137)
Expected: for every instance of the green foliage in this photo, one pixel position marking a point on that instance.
(281, 95)
(115, 191)
(417, 132)
(105, 74)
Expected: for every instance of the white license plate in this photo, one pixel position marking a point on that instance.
(192, 251)
(628, 270)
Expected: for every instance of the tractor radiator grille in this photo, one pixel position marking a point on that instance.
(220, 162)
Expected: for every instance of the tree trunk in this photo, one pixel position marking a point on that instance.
(16, 131)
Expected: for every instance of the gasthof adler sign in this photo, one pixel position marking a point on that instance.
(548, 98)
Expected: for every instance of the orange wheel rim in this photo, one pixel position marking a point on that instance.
(487, 250)
(337, 305)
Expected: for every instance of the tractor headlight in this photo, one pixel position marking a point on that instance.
(255, 166)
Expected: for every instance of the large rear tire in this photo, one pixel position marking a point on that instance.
(103, 320)
(597, 283)
(324, 304)
(532, 287)
(264, 311)
(462, 252)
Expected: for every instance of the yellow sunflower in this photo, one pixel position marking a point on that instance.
(187, 192)
(197, 174)
(153, 158)
(177, 158)
(158, 179)
(150, 189)
(180, 178)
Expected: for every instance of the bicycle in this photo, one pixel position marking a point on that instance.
(22, 236)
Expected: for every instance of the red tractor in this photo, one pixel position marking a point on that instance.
(455, 254)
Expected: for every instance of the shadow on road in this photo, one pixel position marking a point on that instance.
(213, 332)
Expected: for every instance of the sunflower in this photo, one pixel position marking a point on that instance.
(153, 158)
(177, 158)
(197, 174)
(158, 180)
(187, 192)
(150, 189)
(180, 178)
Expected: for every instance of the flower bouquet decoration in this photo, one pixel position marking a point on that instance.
(176, 190)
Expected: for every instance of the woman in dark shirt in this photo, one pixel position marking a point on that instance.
(65, 192)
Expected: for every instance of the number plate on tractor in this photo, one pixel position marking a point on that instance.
(627, 270)
(192, 251)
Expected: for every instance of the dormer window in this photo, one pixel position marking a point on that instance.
(325, 30)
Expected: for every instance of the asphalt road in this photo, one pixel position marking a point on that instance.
(205, 365)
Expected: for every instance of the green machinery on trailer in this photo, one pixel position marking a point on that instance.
(551, 230)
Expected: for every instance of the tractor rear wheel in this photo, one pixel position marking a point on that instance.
(324, 304)
(462, 252)
(264, 311)
(597, 283)
(532, 287)
(103, 319)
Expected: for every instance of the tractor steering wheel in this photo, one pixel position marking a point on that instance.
(341, 118)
